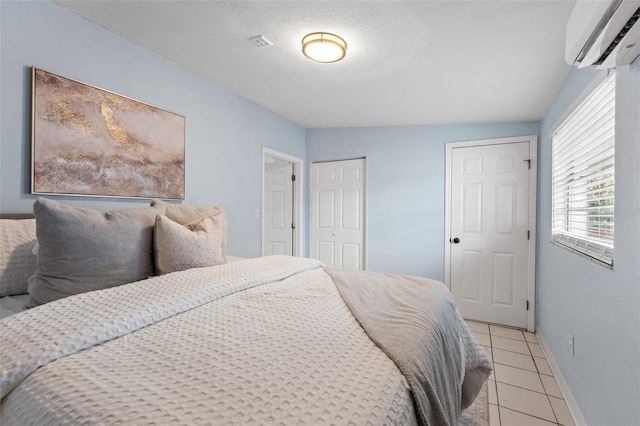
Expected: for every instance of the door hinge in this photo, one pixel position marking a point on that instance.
(293, 178)
(293, 226)
(527, 305)
(528, 163)
(528, 235)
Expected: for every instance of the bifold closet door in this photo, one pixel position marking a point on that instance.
(338, 213)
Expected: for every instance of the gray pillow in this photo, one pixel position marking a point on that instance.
(194, 245)
(17, 262)
(187, 214)
(82, 250)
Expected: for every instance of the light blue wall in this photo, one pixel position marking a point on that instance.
(405, 186)
(225, 133)
(598, 306)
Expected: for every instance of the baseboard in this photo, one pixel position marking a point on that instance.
(572, 404)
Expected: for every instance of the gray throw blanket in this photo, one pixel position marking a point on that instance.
(415, 322)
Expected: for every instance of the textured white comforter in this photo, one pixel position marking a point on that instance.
(259, 341)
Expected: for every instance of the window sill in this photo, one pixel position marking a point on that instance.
(581, 254)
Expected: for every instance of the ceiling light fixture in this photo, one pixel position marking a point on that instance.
(324, 47)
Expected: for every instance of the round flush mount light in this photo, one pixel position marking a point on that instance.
(324, 47)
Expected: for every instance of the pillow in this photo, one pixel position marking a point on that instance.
(194, 245)
(17, 263)
(82, 250)
(187, 214)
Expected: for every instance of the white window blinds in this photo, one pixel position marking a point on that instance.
(583, 175)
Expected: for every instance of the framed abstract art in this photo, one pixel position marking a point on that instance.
(89, 141)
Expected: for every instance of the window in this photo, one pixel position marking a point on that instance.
(583, 175)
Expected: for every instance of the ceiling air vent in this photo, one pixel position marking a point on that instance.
(260, 41)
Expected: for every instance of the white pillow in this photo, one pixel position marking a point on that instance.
(193, 245)
(184, 214)
(17, 263)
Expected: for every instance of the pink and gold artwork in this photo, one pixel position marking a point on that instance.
(89, 141)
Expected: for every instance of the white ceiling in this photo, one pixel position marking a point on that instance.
(407, 63)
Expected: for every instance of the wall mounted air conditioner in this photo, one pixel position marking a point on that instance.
(603, 33)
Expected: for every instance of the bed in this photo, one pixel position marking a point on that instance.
(271, 340)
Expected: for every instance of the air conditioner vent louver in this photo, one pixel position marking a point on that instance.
(603, 33)
(621, 35)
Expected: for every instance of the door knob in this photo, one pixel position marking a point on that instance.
(455, 240)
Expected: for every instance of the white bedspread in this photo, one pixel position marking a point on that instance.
(259, 341)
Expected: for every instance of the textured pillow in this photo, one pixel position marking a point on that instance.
(17, 263)
(194, 245)
(187, 214)
(82, 250)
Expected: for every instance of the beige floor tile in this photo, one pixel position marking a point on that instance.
(478, 326)
(511, 333)
(518, 377)
(514, 359)
(483, 339)
(536, 350)
(494, 415)
(525, 401)
(562, 412)
(510, 345)
(530, 337)
(493, 395)
(543, 366)
(550, 386)
(513, 418)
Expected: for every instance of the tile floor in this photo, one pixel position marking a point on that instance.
(522, 389)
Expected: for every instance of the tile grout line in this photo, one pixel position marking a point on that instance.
(495, 382)
(530, 354)
(520, 387)
(552, 409)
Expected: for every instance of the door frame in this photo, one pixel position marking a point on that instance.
(365, 240)
(533, 180)
(298, 198)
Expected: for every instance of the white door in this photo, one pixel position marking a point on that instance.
(278, 208)
(489, 232)
(338, 213)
